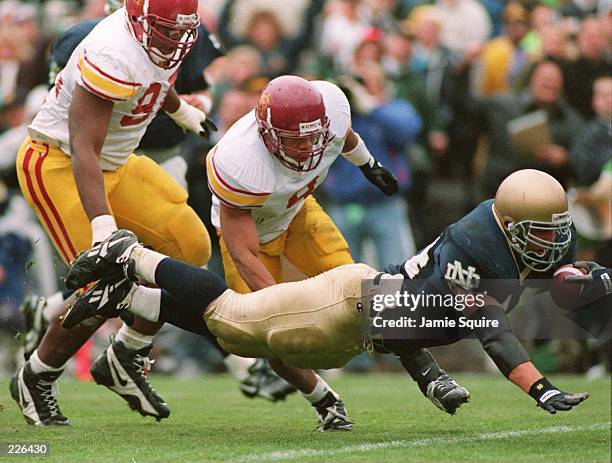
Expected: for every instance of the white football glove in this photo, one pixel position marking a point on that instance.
(191, 118)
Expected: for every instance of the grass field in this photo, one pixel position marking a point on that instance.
(211, 421)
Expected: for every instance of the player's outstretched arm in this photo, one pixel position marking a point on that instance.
(88, 120)
(529, 379)
(240, 236)
(513, 361)
(356, 152)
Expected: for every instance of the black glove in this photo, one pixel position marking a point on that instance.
(381, 177)
(209, 127)
(598, 280)
(552, 399)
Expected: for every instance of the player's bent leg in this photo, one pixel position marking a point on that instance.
(32, 386)
(329, 408)
(147, 201)
(314, 243)
(37, 311)
(124, 371)
(434, 383)
(262, 381)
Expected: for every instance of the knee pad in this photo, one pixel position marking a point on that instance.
(190, 238)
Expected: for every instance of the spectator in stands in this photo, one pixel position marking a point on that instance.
(503, 59)
(544, 93)
(554, 43)
(342, 31)
(495, 9)
(465, 24)
(370, 50)
(593, 61)
(542, 17)
(592, 147)
(434, 61)
(279, 52)
(387, 126)
(580, 9)
(33, 67)
(241, 64)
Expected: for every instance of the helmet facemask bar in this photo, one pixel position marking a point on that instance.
(152, 38)
(546, 253)
(285, 154)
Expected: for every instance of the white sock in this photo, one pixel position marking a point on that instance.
(146, 303)
(133, 339)
(238, 366)
(38, 366)
(146, 262)
(53, 303)
(319, 391)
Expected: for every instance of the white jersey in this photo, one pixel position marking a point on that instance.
(243, 174)
(111, 64)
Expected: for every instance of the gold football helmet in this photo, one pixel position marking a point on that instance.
(532, 208)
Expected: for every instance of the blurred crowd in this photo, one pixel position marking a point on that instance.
(451, 95)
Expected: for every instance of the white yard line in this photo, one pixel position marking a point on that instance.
(308, 453)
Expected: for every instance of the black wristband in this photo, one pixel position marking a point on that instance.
(542, 390)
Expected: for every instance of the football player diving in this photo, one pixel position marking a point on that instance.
(525, 232)
(161, 142)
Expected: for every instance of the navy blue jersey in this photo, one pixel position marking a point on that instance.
(163, 132)
(473, 254)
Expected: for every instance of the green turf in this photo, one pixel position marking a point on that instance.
(211, 421)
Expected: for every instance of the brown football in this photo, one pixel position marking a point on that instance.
(564, 293)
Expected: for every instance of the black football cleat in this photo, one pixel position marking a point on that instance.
(35, 396)
(108, 298)
(331, 414)
(265, 383)
(446, 394)
(109, 258)
(124, 371)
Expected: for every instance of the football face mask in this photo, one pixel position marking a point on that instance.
(167, 30)
(541, 245)
(300, 150)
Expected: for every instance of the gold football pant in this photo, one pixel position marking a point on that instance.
(142, 198)
(314, 323)
(312, 243)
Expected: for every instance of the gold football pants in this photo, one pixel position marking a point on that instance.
(142, 198)
(314, 323)
(312, 243)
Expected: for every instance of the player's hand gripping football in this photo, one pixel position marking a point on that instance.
(380, 176)
(594, 273)
(597, 280)
(191, 118)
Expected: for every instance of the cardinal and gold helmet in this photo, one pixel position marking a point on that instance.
(166, 29)
(532, 208)
(291, 109)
